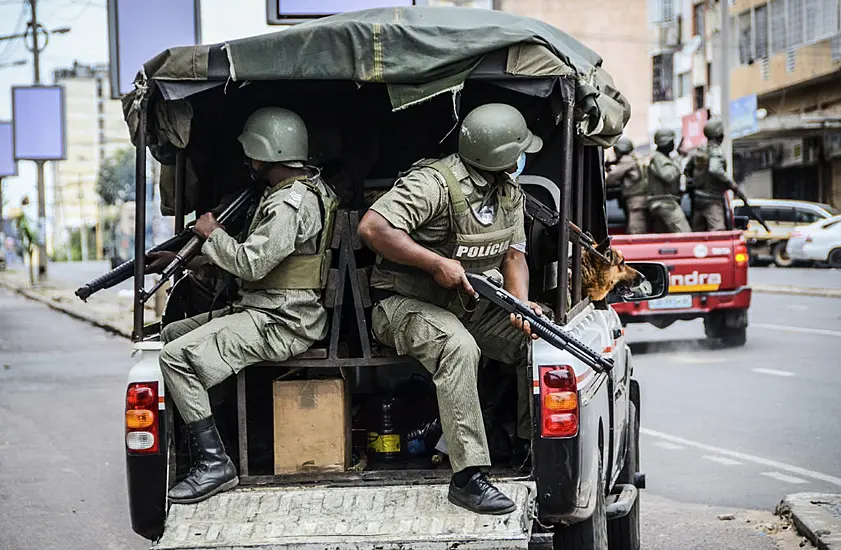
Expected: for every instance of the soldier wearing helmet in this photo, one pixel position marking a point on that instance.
(628, 173)
(282, 264)
(443, 218)
(664, 186)
(707, 172)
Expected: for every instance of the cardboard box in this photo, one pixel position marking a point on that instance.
(311, 426)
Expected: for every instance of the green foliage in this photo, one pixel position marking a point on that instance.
(116, 177)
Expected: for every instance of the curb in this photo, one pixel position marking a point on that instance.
(75, 312)
(798, 291)
(816, 515)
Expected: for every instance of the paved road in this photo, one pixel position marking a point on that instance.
(743, 427)
(62, 480)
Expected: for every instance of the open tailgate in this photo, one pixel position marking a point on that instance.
(340, 518)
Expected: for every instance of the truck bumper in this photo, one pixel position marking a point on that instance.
(702, 304)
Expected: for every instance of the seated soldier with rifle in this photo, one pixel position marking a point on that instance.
(279, 313)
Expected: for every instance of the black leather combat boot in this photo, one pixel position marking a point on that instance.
(479, 496)
(212, 473)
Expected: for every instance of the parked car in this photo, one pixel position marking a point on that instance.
(818, 242)
(783, 217)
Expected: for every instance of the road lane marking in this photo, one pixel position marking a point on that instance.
(774, 372)
(666, 438)
(669, 446)
(782, 477)
(804, 330)
(723, 460)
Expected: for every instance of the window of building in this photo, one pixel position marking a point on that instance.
(699, 98)
(661, 11)
(663, 70)
(698, 14)
(760, 18)
(828, 23)
(745, 39)
(778, 25)
(795, 23)
(684, 84)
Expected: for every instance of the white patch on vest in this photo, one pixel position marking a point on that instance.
(296, 195)
(483, 251)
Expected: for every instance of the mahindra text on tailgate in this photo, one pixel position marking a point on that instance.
(707, 271)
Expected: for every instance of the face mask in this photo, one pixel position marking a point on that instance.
(256, 175)
(521, 165)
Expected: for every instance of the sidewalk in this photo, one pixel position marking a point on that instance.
(799, 281)
(110, 310)
(817, 516)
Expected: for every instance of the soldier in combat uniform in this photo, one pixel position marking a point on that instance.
(629, 174)
(707, 170)
(664, 187)
(444, 217)
(279, 314)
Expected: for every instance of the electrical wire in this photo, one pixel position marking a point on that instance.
(13, 43)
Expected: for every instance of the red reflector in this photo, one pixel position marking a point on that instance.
(560, 425)
(140, 397)
(142, 418)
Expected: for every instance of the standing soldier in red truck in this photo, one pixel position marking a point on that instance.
(707, 170)
(664, 192)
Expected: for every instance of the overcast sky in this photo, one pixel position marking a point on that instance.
(88, 43)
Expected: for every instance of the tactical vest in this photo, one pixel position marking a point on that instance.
(658, 187)
(706, 185)
(637, 188)
(477, 246)
(301, 271)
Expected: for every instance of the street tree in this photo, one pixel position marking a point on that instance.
(116, 177)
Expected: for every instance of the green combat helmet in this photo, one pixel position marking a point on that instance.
(664, 138)
(273, 134)
(623, 146)
(493, 137)
(714, 129)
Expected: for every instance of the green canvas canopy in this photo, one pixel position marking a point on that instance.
(417, 52)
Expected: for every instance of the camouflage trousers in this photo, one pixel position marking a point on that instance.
(708, 215)
(450, 348)
(637, 215)
(667, 213)
(199, 353)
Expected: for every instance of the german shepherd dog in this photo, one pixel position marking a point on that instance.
(598, 277)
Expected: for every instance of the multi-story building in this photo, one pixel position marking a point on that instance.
(95, 129)
(788, 55)
(617, 30)
(784, 95)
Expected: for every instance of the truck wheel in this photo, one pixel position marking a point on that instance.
(587, 535)
(715, 327)
(624, 533)
(781, 258)
(735, 337)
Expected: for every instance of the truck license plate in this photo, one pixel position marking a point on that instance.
(672, 302)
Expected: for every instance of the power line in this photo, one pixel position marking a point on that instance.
(12, 44)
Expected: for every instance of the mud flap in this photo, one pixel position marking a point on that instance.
(344, 518)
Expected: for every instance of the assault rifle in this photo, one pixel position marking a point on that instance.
(540, 325)
(186, 243)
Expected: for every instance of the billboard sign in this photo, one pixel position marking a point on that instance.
(692, 129)
(40, 128)
(8, 166)
(288, 12)
(743, 119)
(138, 30)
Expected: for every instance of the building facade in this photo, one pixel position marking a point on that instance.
(95, 130)
(788, 55)
(784, 89)
(618, 32)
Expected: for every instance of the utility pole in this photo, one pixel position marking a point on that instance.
(83, 229)
(34, 27)
(724, 82)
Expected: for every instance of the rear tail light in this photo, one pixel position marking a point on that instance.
(142, 434)
(558, 402)
(741, 255)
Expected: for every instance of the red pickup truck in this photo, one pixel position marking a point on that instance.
(708, 276)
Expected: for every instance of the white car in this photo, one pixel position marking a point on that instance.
(820, 241)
